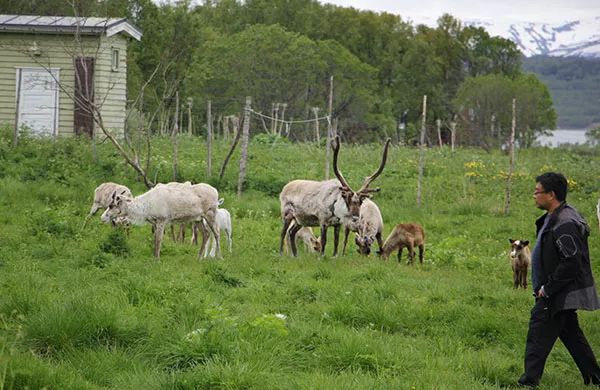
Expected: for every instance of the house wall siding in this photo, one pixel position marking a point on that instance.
(111, 86)
(57, 51)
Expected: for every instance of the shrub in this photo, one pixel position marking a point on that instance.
(115, 243)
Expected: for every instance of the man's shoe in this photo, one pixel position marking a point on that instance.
(526, 382)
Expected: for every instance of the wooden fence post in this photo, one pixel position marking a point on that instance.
(317, 133)
(245, 137)
(209, 139)
(329, 128)
(422, 152)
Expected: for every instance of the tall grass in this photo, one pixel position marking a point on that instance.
(92, 309)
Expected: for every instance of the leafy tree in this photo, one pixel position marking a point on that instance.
(593, 135)
(485, 105)
(486, 54)
(276, 66)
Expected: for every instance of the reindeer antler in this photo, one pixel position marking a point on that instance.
(335, 145)
(368, 180)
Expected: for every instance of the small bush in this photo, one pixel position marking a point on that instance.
(115, 243)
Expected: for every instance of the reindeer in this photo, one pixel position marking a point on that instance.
(167, 204)
(405, 235)
(324, 203)
(305, 234)
(103, 197)
(368, 229)
(520, 258)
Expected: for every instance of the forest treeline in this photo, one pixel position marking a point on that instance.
(283, 53)
(574, 84)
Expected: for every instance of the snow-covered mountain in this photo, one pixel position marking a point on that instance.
(576, 38)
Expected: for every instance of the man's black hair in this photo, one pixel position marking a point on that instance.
(555, 182)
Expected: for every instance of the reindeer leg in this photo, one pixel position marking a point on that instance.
(411, 254)
(229, 240)
(158, 236)
(195, 229)
(205, 238)
(286, 225)
(292, 237)
(346, 233)
(336, 238)
(421, 251)
(323, 238)
(379, 241)
(181, 237)
(217, 237)
(400, 254)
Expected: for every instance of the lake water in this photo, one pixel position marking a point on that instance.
(563, 136)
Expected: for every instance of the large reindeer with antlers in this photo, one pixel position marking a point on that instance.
(324, 203)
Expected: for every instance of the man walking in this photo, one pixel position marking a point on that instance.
(562, 283)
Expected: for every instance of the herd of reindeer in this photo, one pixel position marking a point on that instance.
(304, 204)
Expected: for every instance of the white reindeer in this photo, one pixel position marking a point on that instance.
(323, 203)
(167, 204)
(368, 228)
(103, 197)
(224, 224)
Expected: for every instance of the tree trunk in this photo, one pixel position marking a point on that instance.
(511, 166)
(174, 135)
(438, 124)
(237, 134)
(15, 139)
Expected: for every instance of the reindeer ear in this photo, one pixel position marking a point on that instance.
(511, 240)
(525, 243)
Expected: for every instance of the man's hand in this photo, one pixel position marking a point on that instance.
(541, 293)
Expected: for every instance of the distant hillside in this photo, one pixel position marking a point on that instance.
(575, 87)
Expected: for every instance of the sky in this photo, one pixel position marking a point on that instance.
(428, 11)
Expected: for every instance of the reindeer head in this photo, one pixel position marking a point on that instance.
(516, 247)
(116, 212)
(364, 244)
(354, 199)
(315, 242)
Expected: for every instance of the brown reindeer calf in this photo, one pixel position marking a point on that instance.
(407, 235)
(520, 258)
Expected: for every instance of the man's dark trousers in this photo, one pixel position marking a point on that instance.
(544, 329)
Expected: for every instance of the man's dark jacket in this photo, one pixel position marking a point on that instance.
(567, 274)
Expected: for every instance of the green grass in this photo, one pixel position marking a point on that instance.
(92, 309)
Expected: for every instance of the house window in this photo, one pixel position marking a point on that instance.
(115, 60)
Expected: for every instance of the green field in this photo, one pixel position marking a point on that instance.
(92, 309)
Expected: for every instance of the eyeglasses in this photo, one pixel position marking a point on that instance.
(536, 193)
